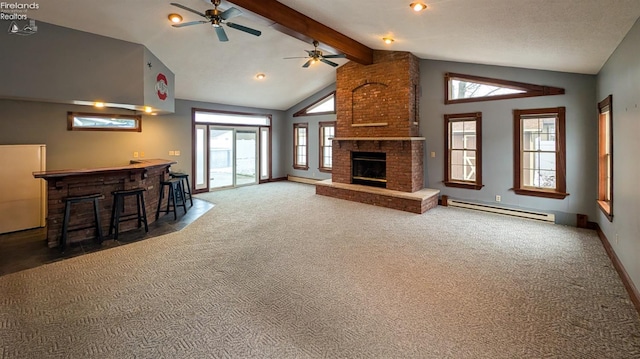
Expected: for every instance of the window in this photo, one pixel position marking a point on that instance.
(77, 121)
(605, 156)
(327, 132)
(324, 106)
(463, 150)
(300, 147)
(540, 155)
(461, 88)
(231, 118)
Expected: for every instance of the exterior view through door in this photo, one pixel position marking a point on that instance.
(231, 149)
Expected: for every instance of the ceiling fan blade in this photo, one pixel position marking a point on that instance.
(306, 64)
(329, 62)
(190, 23)
(248, 30)
(296, 57)
(188, 9)
(222, 36)
(337, 56)
(229, 13)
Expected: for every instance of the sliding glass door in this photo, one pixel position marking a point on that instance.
(246, 168)
(230, 149)
(233, 157)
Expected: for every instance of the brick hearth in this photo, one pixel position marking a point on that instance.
(377, 111)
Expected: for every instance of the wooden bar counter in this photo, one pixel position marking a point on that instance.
(78, 182)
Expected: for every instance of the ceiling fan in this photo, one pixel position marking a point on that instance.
(316, 55)
(217, 18)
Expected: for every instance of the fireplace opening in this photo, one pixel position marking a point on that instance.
(369, 168)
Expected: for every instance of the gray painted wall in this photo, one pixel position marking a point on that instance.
(31, 122)
(620, 77)
(278, 124)
(314, 136)
(497, 136)
(497, 121)
(59, 64)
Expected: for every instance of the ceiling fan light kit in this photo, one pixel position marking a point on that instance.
(417, 6)
(216, 18)
(175, 18)
(316, 55)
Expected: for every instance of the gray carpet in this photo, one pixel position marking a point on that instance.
(274, 271)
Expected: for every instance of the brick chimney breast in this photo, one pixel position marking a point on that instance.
(377, 111)
(378, 100)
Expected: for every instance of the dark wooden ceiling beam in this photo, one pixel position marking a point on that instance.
(300, 26)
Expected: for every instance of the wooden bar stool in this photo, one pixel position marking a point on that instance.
(186, 187)
(68, 201)
(175, 197)
(117, 211)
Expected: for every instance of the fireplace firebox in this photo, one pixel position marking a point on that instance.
(369, 168)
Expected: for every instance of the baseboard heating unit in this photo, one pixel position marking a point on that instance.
(547, 217)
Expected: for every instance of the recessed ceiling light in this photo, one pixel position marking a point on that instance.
(148, 109)
(260, 76)
(387, 40)
(417, 6)
(175, 18)
(99, 104)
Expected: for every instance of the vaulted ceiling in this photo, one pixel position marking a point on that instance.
(558, 35)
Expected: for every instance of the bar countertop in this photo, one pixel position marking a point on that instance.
(133, 165)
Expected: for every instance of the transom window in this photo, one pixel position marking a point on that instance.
(463, 150)
(300, 146)
(605, 157)
(324, 106)
(468, 88)
(540, 152)
(78, 121)
(327, 132)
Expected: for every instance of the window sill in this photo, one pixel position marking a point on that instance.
(476, 186)
(540, 193)
(605, 207)
(326, 170)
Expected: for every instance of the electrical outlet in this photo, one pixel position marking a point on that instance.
(142, 154)
(498, 198)
(135, 154)
(172, 153)
(177, 153)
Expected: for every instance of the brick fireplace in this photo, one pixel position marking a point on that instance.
(377, 113)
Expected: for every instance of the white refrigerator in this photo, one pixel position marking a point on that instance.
(23, 198)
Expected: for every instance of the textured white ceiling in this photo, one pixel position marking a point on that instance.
(560, 35)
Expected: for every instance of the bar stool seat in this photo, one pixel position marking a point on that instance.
(118, 209)
(68, 201)
(175, 197)
(186, 187)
